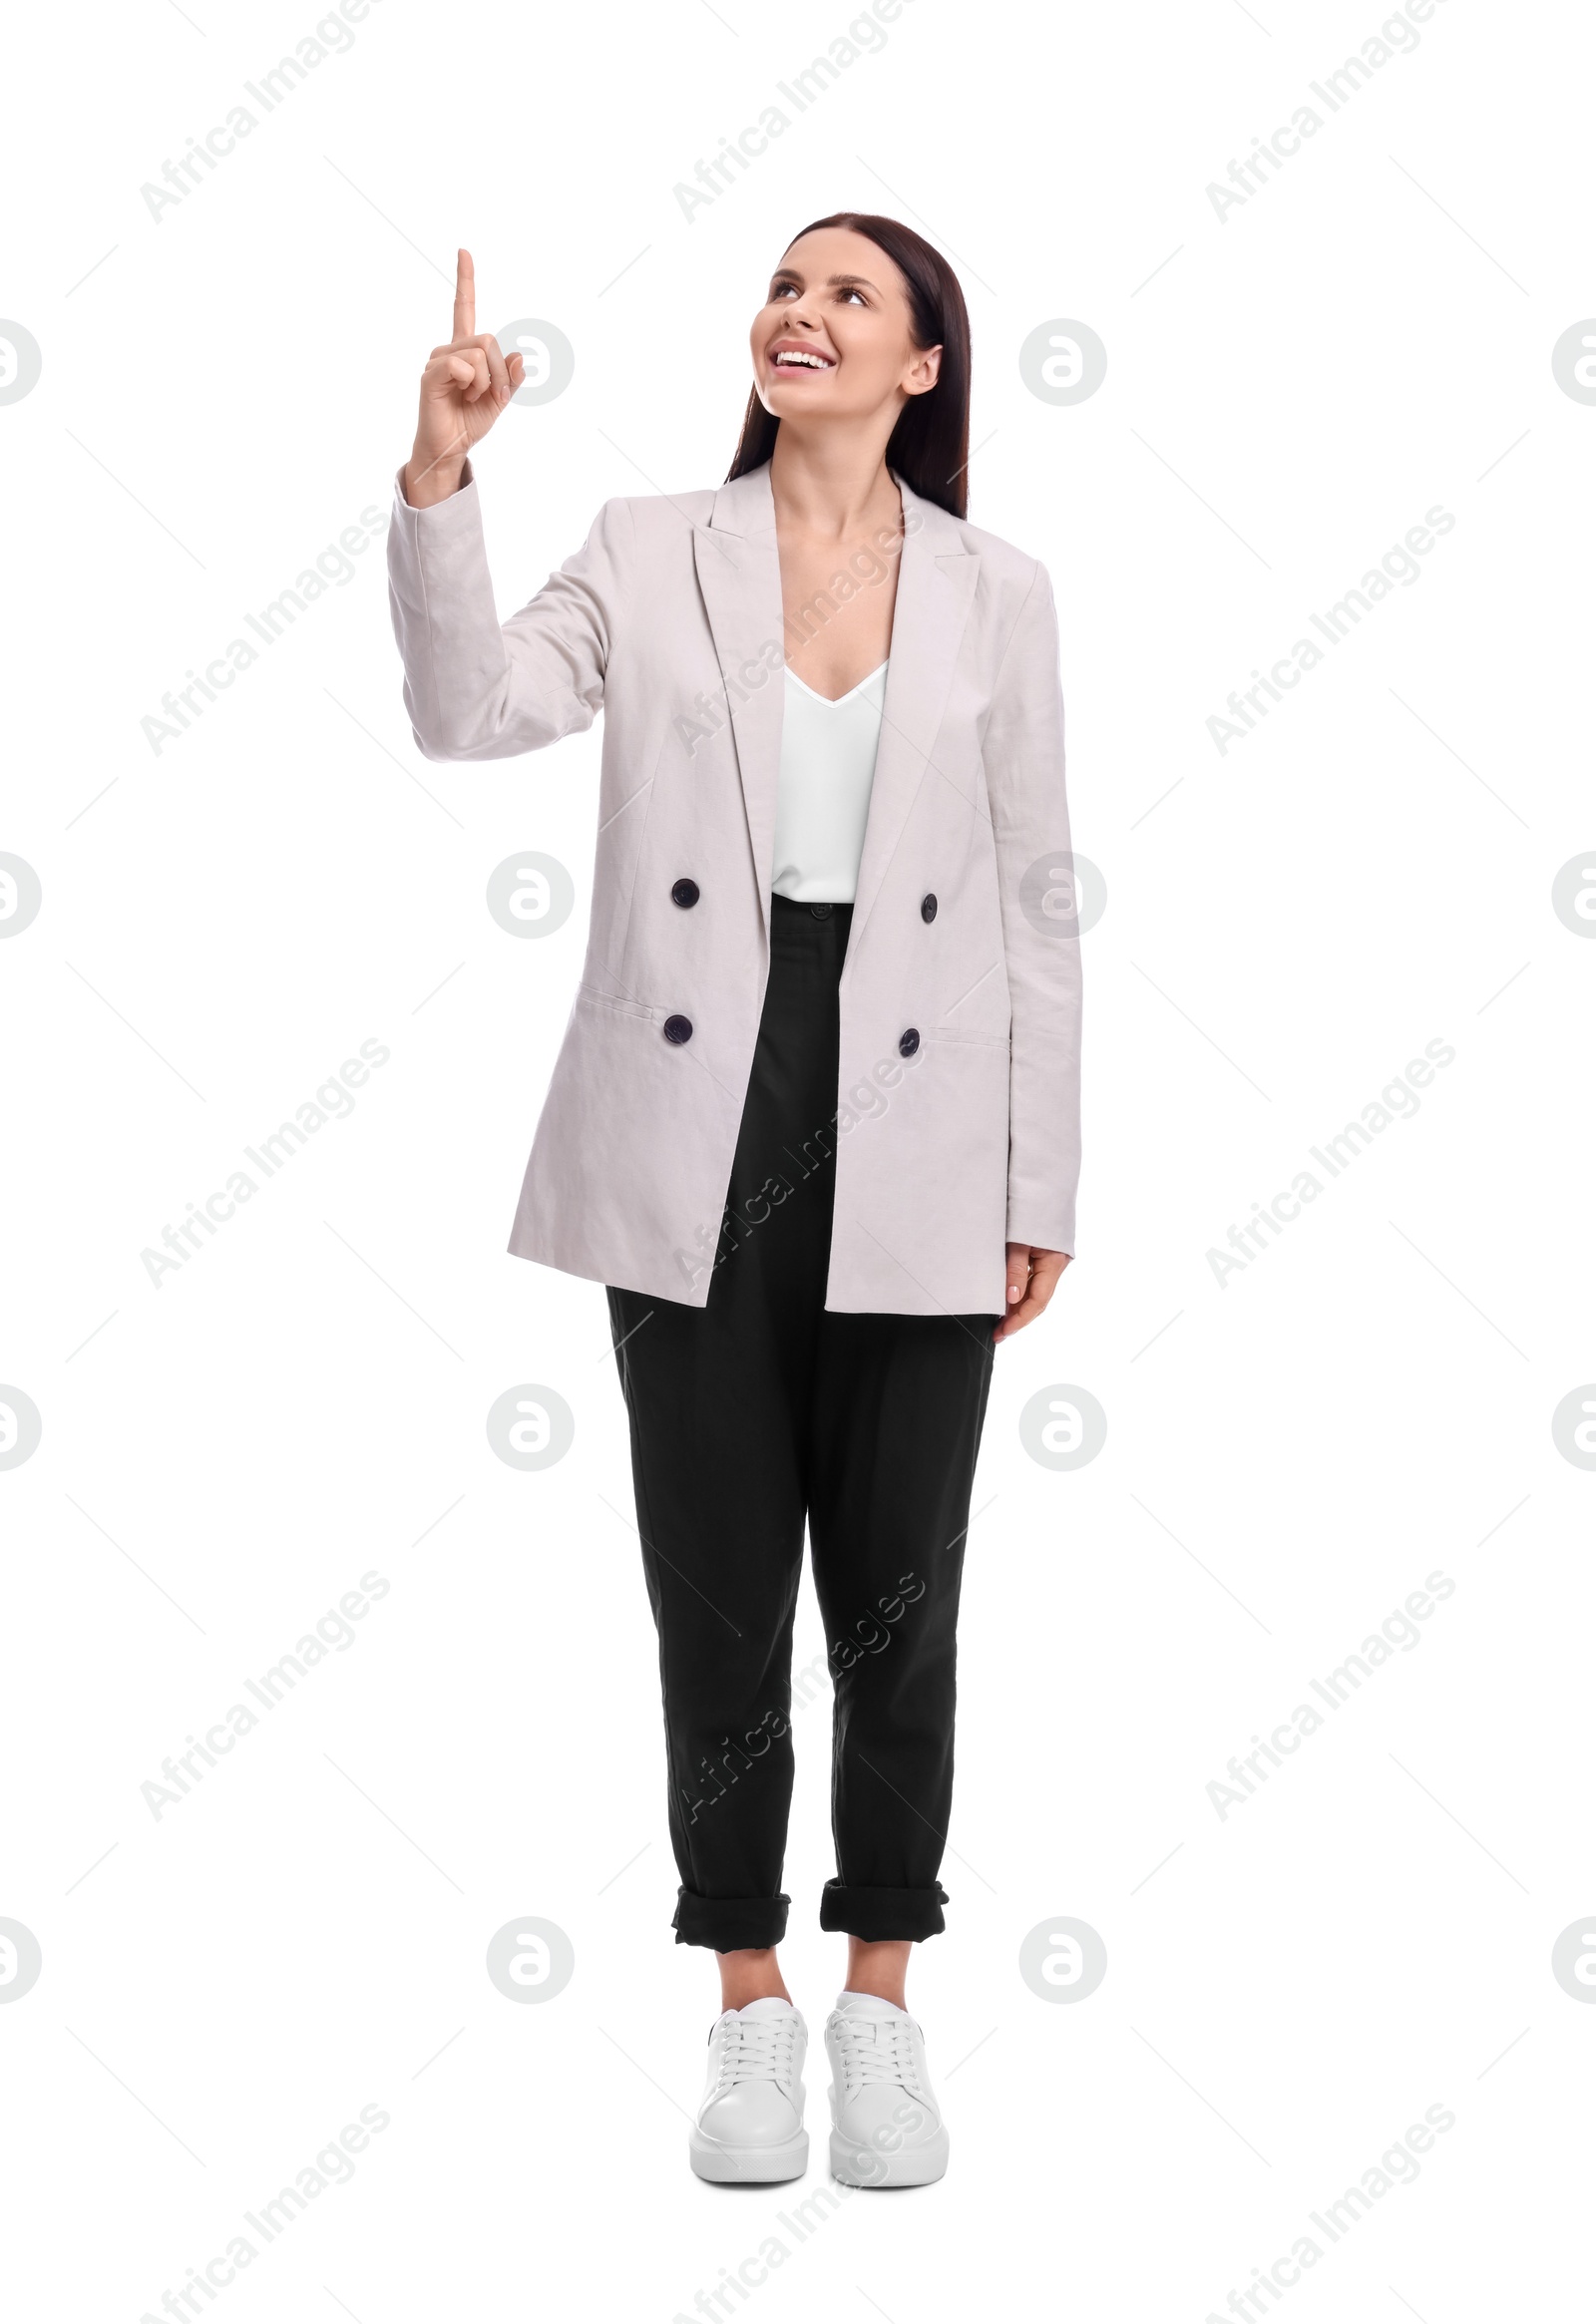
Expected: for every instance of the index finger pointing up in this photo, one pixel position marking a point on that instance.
(464, 298)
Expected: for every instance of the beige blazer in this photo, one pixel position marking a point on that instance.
(957, 1107)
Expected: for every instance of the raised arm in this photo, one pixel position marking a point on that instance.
(476, 689)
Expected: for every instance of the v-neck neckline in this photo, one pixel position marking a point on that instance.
(836, 701)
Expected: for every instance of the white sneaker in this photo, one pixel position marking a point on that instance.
(886, 2128)
(750, 2122)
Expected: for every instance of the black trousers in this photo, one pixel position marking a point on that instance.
(753, 1412)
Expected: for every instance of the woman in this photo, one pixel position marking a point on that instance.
(814, 1122)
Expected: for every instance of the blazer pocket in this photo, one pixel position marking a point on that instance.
(596, 998)
(967, 1035)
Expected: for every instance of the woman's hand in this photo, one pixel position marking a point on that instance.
(1033, 1279)
(463, 388)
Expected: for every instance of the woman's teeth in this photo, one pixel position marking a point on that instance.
(790, 355)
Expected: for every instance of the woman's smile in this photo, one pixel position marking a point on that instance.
(789, 354)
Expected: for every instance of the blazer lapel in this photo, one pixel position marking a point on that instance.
(740, 578)
(740, 575)
(936, 588)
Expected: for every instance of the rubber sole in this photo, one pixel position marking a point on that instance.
(748, 2166)
(858, 2165)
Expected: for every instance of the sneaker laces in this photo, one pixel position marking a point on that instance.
(878, 2050)
(756, 2050)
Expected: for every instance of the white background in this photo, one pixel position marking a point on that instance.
(1288, 1456)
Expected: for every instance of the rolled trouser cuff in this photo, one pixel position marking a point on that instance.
(729, 1924)
(883, 1916)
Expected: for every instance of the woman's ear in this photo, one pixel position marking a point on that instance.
(922, 375)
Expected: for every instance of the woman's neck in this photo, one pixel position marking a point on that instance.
(832, 490)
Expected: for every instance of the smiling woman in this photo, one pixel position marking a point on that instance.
(820, 894)
(859, 314)
(828, 349)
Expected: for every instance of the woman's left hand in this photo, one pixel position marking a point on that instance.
(1033, 1279)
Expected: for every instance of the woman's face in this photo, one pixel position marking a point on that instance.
(837, 299)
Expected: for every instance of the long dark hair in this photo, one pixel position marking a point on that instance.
(930, 446)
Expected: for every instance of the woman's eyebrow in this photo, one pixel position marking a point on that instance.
(833, 281)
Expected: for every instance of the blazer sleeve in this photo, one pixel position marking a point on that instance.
(479, 689)
(1023, 761)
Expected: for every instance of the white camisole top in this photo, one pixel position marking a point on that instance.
(828, 764)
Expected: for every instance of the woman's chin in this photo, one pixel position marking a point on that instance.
(789, 403)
